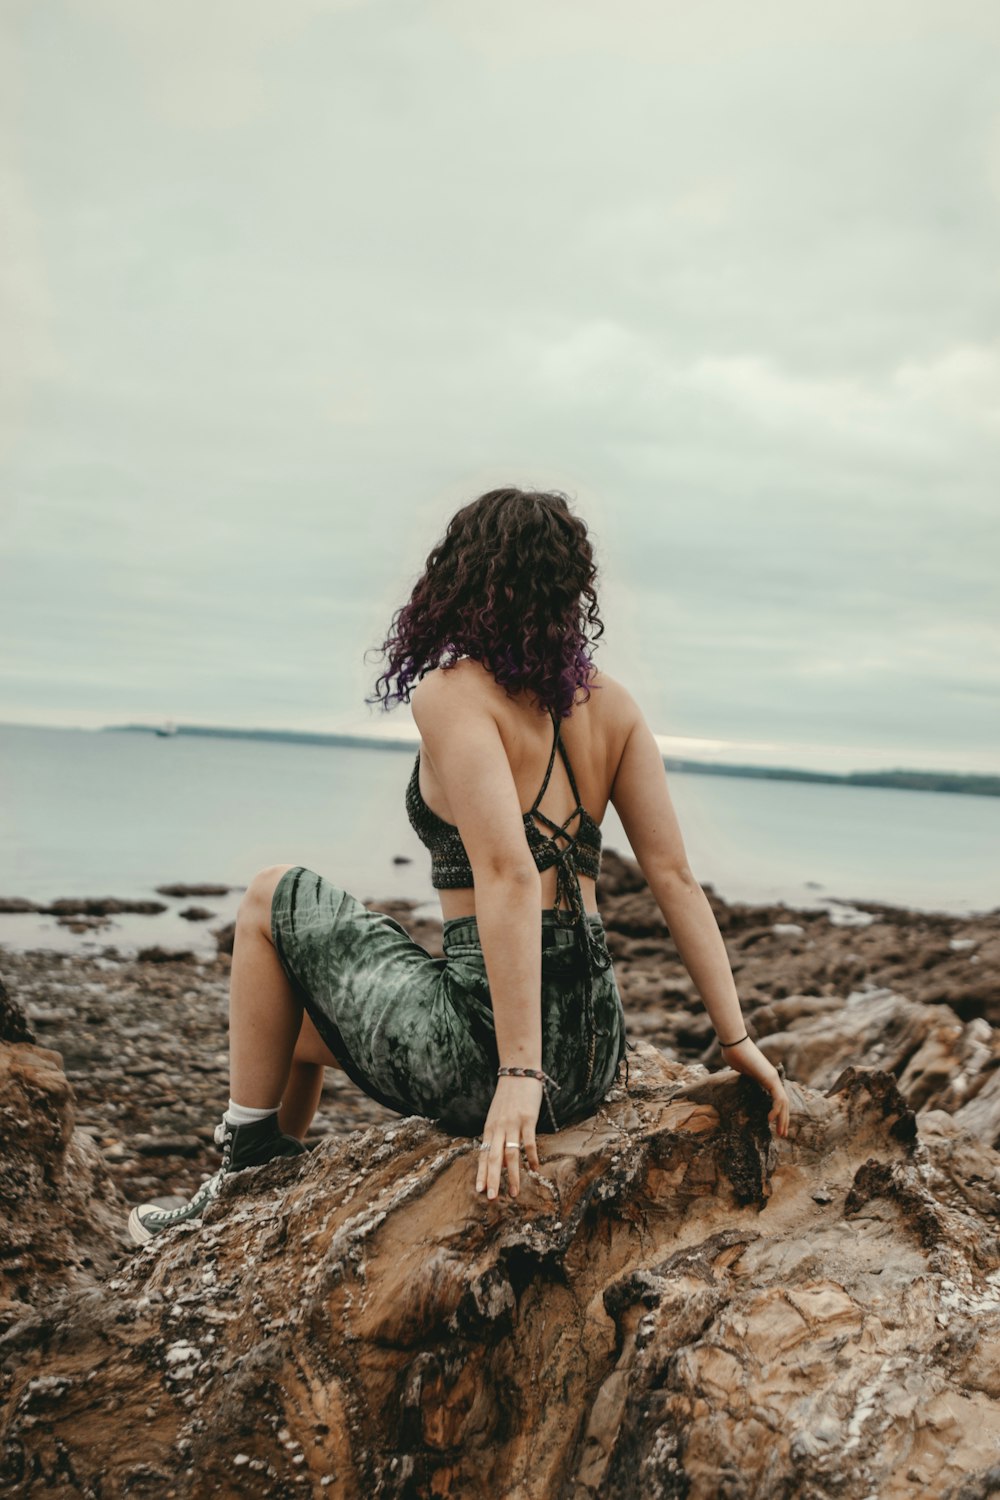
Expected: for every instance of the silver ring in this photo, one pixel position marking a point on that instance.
(484, 1145)
(509, 1144)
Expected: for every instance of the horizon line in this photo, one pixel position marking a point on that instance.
(404, 740)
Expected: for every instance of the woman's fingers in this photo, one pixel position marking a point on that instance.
(779, 1111)
(503, 1149)
(494, 1158)
(509, 1126)
(494, 1165)
(490, 1152)
(512, 1161)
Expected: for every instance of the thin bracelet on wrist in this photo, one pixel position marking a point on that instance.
(527, 1073)
(544, 1079)
(739, 1039)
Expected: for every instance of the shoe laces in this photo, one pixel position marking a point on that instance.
(224, 1133)
(207, 1191)
(161, 1217)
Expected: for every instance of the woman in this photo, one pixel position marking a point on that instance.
(493, 652)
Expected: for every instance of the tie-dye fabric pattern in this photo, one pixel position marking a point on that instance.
(416, 1032)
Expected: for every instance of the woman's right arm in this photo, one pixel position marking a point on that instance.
(641, 798)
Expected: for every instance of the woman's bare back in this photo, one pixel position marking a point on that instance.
(594, 737)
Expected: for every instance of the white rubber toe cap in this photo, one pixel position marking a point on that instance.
(138, 1232)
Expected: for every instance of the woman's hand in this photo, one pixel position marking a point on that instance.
(512, 1118)
(746, 1057)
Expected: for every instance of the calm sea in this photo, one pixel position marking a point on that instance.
(116, 814)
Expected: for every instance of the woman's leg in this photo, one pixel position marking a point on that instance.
(310, 1061)
(302, 1096)
(271, 1056)
(264, 1014)
(275, 1052)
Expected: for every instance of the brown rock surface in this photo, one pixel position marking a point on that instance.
(60, 1217)
(677, 1304)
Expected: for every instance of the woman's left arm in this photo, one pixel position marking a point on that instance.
(461, 738)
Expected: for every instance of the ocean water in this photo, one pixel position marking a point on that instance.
(119, 813)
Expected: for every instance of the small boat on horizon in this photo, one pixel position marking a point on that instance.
(167, 728)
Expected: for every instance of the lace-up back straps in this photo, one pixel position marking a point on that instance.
(591, 952)
(557, 742)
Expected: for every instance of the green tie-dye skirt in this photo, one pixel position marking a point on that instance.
(416, 1032)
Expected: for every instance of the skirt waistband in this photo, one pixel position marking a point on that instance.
(555, 928)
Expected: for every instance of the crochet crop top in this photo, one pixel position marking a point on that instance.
(450, 867)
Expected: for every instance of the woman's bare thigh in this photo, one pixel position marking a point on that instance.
(310, 1046)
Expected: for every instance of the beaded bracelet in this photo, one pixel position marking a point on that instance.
(545, 1081)
(739, 1039)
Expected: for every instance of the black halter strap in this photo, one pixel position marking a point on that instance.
(557, 743)
(591, 952)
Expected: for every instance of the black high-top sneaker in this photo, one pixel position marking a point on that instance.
(242, 1146)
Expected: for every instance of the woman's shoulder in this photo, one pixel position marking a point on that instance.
(452, 693)
(615, 700)
(465, 678)
(468, 681)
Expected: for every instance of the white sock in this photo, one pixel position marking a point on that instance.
(242, 1114)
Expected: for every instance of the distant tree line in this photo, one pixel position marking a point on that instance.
(913, 781)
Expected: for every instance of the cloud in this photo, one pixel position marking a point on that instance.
(288, 283)
(209, 67)
(31, 352)
(707, 34)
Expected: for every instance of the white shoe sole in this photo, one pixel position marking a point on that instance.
(138, 1232)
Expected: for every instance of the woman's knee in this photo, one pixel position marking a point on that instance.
(255, 904)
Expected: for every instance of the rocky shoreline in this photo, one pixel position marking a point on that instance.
(678, 1304)
(143, 1039)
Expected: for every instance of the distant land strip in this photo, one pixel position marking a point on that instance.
(912, 781)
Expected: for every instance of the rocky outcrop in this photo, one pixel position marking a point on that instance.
(676, 1304)
(13, 1022)
(60, 1217)
(939, 1061)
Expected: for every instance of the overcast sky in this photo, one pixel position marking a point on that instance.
(285, 283)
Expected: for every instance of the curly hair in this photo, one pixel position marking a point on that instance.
(511, 585)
